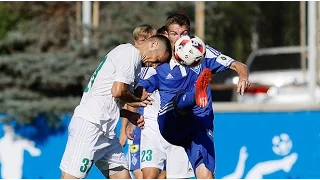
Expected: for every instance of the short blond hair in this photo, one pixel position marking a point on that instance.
(145, 31)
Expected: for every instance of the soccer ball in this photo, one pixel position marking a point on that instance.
(189, 50)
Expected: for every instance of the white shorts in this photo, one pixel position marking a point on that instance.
(178, 164)
(157, 152)
(152, 153)
(87, 144)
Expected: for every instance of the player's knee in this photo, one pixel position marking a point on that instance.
(119, 172)
(67, 176)
(138, 174)
(178, 103)
(162, 175)
(150, 173)
(204, 173)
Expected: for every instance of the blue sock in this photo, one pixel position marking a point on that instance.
(184, 100)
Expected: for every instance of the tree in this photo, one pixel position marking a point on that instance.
(44, 66)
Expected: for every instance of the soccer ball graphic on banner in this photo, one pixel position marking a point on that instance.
(189, 50)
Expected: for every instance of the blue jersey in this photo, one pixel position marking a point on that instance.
(172, 78)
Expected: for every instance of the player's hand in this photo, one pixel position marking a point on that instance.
(129, 131)
(140, 122)
(141, 104)
(143, 95)
(137, 119)
(243, 84)
(122, 138)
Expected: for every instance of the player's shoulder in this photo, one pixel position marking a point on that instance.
(211, 52)
(163, 70)
(120, 49)
(147, 72)
(126, 46)
(162, 67)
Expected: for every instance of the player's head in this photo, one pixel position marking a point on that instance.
(177, 25)
(142, 33)
(155, 51)
(162, 31)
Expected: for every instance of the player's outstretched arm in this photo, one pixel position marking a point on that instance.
(243, 75)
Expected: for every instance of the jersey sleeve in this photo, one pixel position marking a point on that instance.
(127, 62)
(216, 61)
(149, 83)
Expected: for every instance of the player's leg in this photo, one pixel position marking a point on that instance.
(173, 126)
(137, 174)
(203, 172)
(67, 176)
(185, 100)
(114, 164)
(81, 150)
(201, 86)
(150, 173)
(163, 175)
(152, 154)
(201, 153)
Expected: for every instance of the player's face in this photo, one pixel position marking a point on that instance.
(175, 31)
(155, 56)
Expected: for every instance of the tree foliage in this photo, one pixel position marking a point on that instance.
(44, 66)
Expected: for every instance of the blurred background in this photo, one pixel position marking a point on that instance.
(48, 51)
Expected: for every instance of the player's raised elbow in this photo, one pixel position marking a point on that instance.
(117, 89)
(115, 94)
(238, 66)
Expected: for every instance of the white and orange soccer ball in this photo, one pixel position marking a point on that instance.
(189, 50)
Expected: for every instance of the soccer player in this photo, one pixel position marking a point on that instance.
(186, 114)
(140, 34)
(91, 137)
(156, 152)
(163, 153)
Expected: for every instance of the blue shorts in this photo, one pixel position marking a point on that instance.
(134, 151)
(186, 131)
(134, 148)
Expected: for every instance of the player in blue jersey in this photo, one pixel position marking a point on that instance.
(156, 154)
(186, 114)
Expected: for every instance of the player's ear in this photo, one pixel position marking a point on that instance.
(166, 34)
(154, 44)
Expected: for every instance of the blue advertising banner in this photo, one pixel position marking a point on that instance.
(268, 145)
(248, 145)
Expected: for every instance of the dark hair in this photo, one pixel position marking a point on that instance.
(162, 30)
(179, 19)
(165, 43)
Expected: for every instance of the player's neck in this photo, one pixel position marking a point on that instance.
(173, 59)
